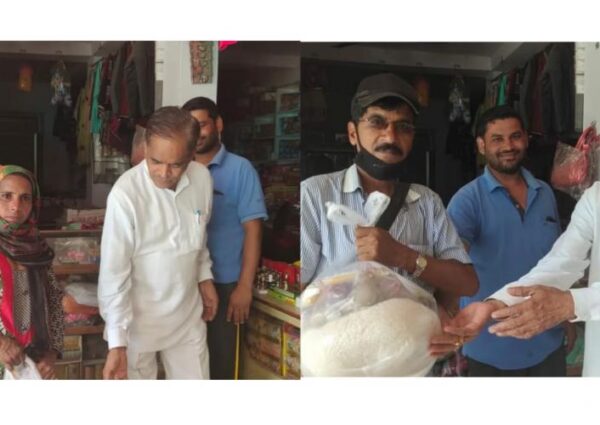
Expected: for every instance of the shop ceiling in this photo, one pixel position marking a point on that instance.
(483, 59)
(274, 54)
(72, 51)
(267, 54)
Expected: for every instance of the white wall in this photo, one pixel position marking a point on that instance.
(174, 70)
(591, 91)
(591, 99)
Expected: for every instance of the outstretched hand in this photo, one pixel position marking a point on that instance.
(444, 343)
(469, 321)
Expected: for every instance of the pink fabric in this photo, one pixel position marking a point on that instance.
(225, 44)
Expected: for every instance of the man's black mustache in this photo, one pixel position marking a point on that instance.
(513, 152)
(388, 147)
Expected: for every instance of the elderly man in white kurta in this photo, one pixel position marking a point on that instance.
(542, 298)
(155, 286)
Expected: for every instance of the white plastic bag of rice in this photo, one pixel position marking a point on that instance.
(367, 320)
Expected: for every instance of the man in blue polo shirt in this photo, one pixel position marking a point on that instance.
(508, 221)
(234, 234)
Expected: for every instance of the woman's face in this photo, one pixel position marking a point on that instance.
(16, 199)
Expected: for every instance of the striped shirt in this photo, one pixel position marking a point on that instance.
(422, 224)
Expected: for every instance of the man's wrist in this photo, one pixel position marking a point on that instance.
(247, 285)
(494, 304)
(569, 303)
(409, 259)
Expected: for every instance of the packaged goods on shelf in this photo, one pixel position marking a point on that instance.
(89, 217)
(76, 250)
(77, 319)
(72, 348)
(68, 370)
(291, 351)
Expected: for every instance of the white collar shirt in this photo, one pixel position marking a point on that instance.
(153, 255)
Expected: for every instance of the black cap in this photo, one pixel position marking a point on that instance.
(376, 87)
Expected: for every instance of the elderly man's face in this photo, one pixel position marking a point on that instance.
(388, 135)
(167, 160)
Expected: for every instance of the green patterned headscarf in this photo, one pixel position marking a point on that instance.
(29, 228)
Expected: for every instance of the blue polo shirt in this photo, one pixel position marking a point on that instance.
(504, 245)
(237, 198)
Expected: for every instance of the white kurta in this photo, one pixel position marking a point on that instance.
(565, 264)
(153, 256)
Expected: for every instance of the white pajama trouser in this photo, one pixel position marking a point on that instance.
(186, 360)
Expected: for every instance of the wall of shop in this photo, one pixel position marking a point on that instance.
(173, 72)
(591, 89)
(591, 99)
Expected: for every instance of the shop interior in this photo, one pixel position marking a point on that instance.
(70, 113)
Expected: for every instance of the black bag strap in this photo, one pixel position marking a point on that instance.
(398, 198)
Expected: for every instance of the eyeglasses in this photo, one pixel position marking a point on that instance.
(379, 123)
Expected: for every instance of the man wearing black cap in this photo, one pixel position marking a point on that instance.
(420, 242)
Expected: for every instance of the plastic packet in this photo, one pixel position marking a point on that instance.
(574, 167)
(26, 370)
(78, 250)
(83, 293)
(375, 205)
(367, 320)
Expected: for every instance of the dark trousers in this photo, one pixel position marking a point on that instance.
(221, 336)
(553, 365)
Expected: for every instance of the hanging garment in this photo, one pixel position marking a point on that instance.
(83, 109)
(139, 78)
(65, 128)
(502, 90)
(105, 82)
(96, 116)
(118, 96)
(536, 94)
(558, 90)
(118, 134)
(525, 88)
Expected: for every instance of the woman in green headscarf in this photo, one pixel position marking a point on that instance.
(31, 317)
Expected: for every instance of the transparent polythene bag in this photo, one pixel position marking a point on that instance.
(366, 320)
(574, 167)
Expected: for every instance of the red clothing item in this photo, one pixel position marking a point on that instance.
(7, 305)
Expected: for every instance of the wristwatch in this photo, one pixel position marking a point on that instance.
(420, 265)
